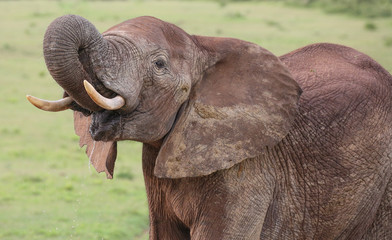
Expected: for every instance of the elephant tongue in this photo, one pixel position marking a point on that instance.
(102, 155)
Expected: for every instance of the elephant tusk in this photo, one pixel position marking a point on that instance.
(51, 106)
(106, 103)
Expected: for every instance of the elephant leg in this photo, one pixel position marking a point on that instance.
(238, 208)
(227, 232)
(167, 229)
(382, 225)
(163, 222)
(241, 222)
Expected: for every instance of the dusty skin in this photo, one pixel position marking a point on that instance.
(237, 143)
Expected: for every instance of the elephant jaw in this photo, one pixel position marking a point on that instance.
(98, 132)
(102, 155)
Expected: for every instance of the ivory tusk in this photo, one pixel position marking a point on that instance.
(51, 106)
(106, 103)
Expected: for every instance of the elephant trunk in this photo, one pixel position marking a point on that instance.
(67, 42)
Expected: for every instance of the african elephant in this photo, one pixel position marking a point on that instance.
(237, 143)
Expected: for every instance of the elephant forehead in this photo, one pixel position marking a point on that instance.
(152, 31)
(139, 25)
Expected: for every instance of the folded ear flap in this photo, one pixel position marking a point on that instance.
(247, 100)
(102, 155)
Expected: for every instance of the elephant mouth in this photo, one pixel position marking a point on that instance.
(105, 126)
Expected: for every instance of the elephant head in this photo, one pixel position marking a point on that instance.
(207, 103)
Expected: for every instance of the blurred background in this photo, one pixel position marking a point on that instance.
(48, 190)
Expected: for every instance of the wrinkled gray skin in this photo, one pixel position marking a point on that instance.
(232, 150)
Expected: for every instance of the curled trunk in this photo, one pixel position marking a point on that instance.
(67, 40)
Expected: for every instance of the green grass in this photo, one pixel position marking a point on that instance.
(361, 8)
(47, 188)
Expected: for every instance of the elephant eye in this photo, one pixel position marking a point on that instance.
(160, 64)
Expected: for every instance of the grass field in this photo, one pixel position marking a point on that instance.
(47, 188)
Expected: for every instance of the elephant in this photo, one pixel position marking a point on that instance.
(237, 142)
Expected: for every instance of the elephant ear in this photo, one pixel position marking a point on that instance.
(246, 100)
(102, 155)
